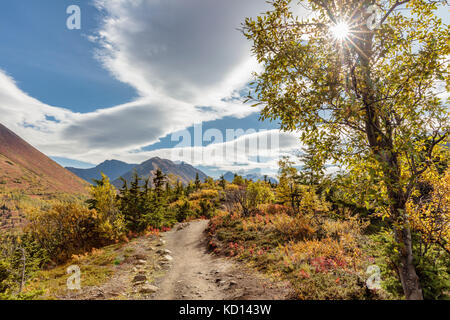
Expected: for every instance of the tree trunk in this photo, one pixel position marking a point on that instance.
(397, 198)
(407, 271)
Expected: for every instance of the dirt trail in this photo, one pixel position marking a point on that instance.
(196, 274)
(178, 267)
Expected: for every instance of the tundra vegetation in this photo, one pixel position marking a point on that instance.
(320, 236)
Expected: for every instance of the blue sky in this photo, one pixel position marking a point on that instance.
(137, 74)
(53, 64)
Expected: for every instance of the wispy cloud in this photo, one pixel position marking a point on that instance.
(187, 61)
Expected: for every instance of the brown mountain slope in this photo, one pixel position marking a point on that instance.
(25, 168)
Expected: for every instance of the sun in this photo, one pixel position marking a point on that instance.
(340, 31)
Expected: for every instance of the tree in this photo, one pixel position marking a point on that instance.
(429, 213)
(259, 193)
(209, 183)
(104, 200)
(222, 182)
(179, 190)
(197, 182)
(238, 180)
(366, 98)
(158, 182)
(132, 202)
(288, 189)
(312, 172)
(236, 198)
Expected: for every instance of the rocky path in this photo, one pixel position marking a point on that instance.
(179, 267)
(196, 274)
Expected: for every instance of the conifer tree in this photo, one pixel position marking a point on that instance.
(197, 182)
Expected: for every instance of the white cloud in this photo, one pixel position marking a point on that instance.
(187, 50)
(179, 55)
(257, 150)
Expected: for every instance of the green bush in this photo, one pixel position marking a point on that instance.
(68, 229)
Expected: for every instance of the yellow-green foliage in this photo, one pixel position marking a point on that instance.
(259, 193)
(430, 214)
(103, 200)
(204, 194)
(310, 201)
(246, 199)
(67, 229)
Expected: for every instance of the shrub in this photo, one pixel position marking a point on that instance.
(68, 229)
(273, 209)
(291, 228)
(183, 209)
(204, 194)
(4, 275)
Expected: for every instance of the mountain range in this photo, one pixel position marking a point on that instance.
(115, 169)
(23, 167)
(112, 168)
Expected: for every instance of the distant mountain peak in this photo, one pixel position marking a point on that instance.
(112, 168)
(184, 172)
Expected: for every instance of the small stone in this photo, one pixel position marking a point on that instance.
(164, 251)
(141, 262)
(148, 289)
(140, 257)
(168, 258)
(233, 283)
(139, 278)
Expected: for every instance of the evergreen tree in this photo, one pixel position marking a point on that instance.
(132, 203)
(222, 182)
(158, 182)
(179, 190)
(197, 182)
(312, 171)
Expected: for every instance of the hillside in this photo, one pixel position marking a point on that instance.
(112, 168)
(22, 167)
(184, 172)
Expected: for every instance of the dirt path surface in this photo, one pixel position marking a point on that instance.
(196, 274)
(177, 266)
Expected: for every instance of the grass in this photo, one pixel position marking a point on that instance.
(96, 268)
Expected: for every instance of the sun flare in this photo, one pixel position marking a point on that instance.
(340, 31)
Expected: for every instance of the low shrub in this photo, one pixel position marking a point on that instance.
(68, 229)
